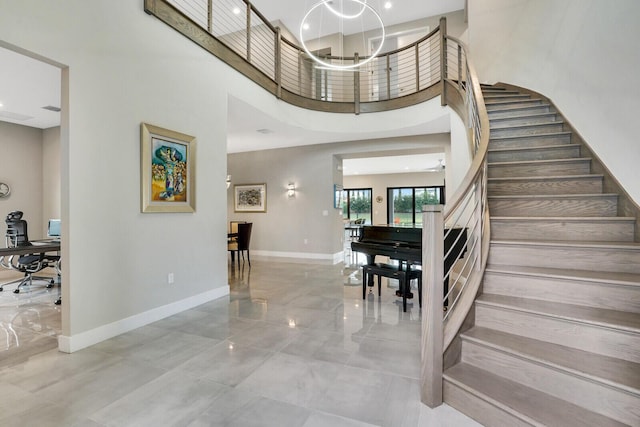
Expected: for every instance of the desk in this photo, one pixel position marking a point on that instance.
(41, 247)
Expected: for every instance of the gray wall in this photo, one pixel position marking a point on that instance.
(282, 230)
(21, 168)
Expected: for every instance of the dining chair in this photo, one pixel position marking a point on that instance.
(241, 244)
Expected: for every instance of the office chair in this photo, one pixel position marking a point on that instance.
(17, 236)
(241, 245)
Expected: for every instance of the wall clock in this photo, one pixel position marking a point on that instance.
(379, 199)
(5, 190)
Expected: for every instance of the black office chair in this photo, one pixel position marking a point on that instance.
(17, 236)
(241, 245)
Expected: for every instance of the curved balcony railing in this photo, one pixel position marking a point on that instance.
(435, 65)
(258, 49)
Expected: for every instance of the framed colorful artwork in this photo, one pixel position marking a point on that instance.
(250, 198)
(168, 170)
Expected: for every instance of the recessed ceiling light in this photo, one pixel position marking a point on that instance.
(388, 5)
(236, 11)
(305, 26)
(1, 104)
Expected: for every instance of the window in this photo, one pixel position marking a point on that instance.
(357, 204)
(405, 203)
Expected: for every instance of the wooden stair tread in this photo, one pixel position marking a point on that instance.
(565, 218)
(515, 101)
(554, 196)
(524, 116)
(540, 162)
(613, 319)
(520, 149)
(624, 279)
(533, 135)
(576, 244)
(544, 178)
(530, 405)
(528, 125)
(614, 372)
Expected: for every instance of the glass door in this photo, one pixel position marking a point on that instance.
(358, 205)
(405, 203)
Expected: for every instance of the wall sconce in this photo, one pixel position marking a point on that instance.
(228, 181)
(291, 190)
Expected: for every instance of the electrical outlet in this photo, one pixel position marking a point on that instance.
(170, 278)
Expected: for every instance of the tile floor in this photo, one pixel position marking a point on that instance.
(293, 345)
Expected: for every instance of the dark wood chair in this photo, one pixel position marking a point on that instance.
(241, 244)
(390, 271)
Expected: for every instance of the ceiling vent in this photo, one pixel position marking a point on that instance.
(264, 131)
(52, 108)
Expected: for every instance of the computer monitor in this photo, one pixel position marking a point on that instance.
(53, 229)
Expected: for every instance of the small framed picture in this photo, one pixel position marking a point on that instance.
(250, 198)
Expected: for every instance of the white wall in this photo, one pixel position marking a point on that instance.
(582, 54)
(123, 70)
(117, 73)
(21, 168)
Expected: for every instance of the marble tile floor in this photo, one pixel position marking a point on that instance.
(293, 345)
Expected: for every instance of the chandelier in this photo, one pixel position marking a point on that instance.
(344, 17)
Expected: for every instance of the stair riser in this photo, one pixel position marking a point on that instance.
(519, 120)
(604, 341)
(526, 130)
(613, 259)
(608, 401)
(510, 112)
(554, 207)
(504, 105)
(530, 141)
(480, 410)
(590, 185)
(577, 167)
(576, 292)
(564, 152)
(585, 230)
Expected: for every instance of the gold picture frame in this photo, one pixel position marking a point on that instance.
(250, 198)
(167, 169)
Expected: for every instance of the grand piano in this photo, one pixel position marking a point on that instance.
(404, 244)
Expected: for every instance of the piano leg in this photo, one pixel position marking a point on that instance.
(370, 261)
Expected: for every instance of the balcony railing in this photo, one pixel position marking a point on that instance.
(251, 44)
(434, 65)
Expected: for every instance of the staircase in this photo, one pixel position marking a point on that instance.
(556, 339)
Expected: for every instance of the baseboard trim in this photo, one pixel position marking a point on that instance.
(333, 258)
(70, 344)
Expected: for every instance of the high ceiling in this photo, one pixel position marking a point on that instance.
(27, 85)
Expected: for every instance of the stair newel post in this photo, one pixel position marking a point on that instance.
(433, 300)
